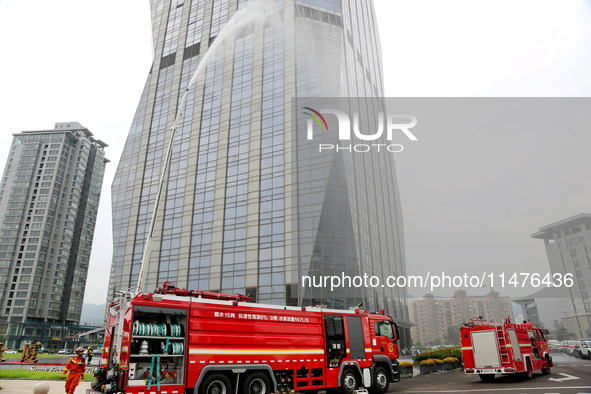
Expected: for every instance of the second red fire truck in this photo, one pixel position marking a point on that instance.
(509, 348)
(176, 341)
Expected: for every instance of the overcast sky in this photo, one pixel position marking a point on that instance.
(72, 60)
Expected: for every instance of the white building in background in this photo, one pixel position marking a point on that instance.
(541, 307)
(568, 245)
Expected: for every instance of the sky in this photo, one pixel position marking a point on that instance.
(71, 60)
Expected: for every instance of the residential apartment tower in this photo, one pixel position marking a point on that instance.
(433, 317)
(49, 199)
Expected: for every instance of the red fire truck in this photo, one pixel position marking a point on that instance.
(179, 341)
(509, 348)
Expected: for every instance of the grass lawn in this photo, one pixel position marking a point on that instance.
(24, 374)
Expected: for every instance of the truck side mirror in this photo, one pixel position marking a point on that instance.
(396, 332)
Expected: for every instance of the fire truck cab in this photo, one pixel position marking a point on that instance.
(508, 348)
(176, 341)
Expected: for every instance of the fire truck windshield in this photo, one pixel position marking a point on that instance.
(384, 329)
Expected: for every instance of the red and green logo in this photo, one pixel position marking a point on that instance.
(315, 116)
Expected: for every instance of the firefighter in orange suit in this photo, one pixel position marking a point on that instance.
(76, 366)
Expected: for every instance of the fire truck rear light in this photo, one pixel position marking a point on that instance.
(469, 370)
(382, 312)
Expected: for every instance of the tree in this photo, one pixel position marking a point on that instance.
(560, 332)
(539, 324)
(453, 337)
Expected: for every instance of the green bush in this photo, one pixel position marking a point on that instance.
(439, 354)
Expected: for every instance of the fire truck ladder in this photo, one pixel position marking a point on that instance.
(502, 344)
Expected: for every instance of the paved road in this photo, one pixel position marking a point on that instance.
(26, 386)
(569, 375)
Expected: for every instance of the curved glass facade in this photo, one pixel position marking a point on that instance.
(245, 210)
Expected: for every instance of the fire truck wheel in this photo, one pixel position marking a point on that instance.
(349, 382)
(487, 377)
(528, 371)
(257, 383)
(546, 371)
(381, 380)
(216, 384)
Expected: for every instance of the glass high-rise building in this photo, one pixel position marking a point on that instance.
(568, 245)
(49, 199)
(240, 211)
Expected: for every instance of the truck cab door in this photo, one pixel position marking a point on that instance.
(385, 336)
(534, 339)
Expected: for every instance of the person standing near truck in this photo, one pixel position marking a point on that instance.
(89, 354)
(76, 366)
